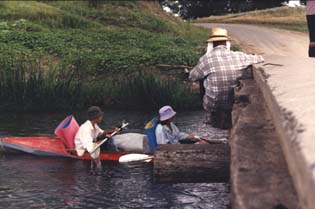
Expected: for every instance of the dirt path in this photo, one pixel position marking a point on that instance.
(266, 41)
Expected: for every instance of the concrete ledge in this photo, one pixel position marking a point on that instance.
(289, 92)
(259, 173)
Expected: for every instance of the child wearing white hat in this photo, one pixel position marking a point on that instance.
(167, 132)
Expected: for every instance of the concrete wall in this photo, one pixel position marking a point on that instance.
(259, 172)
(288, 87)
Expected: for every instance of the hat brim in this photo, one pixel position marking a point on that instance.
(218, 39)
(167, 117)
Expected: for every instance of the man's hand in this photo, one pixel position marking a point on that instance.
(191, 137)
(109, 133)
(117, 129)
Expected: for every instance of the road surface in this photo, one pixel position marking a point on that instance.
(266, 41)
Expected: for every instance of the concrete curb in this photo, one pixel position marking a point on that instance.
(259, 172)
(289, 93)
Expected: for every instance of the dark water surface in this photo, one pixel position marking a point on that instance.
(28, 181)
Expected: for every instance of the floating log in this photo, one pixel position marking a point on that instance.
(192, 163)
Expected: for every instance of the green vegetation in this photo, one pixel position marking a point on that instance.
(61, 55)
(282, 17)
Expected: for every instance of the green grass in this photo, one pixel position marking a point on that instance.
(282, 17)
(24, 86)
(65, 55)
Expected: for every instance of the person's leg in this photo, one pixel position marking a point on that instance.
(227, 123)
(230, 136)
(96, 159)
(311, 28)
(208, 119)
(96, 163)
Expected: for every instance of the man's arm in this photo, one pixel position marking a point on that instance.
(248, 59)
(108, 132)
(87, 141)
(160, 135)
(198, 72)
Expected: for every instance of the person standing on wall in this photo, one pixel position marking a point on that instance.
(310, 16)
(221, 68)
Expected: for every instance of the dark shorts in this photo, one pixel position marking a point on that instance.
(221, 119)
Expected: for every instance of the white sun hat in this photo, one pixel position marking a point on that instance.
(166, 113)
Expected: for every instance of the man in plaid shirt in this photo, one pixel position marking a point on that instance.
(220, 69)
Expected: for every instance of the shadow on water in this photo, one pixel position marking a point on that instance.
(28, 181)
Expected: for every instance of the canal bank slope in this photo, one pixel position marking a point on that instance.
(68, 55)
(286, 81)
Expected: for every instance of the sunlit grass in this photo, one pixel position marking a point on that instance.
(27, 9)
(65, 55)
(281, 17)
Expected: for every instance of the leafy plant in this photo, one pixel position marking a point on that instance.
(64, 55)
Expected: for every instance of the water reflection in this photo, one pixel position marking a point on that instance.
(44, 124)
(28, 181)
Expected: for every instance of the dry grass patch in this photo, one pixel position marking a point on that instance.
(281, 17)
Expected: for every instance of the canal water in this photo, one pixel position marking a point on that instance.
(28, 181)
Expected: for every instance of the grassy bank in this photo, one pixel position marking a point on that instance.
(282, 17)
(61, 55)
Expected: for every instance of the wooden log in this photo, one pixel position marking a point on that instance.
(192, 163)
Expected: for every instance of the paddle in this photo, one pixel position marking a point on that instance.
(123, 125)
(200, 139)
(128, 158)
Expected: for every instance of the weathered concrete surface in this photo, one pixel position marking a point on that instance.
(290, 95)
(259, 174)
(192, 163)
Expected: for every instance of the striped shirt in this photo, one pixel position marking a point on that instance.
(221, 69)
(310, 7)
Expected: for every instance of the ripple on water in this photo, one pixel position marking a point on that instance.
(32, 182)
(36, 182)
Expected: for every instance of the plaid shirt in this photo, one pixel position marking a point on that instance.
(221, 69)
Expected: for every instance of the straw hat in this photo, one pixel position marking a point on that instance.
(166, 113)
(218, 34)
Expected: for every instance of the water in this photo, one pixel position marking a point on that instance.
(28, 181)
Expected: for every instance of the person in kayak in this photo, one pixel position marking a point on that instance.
(88, 134)
(221, 68)
(166, 131)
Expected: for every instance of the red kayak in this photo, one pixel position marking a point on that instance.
(49, 146)
(63, 145)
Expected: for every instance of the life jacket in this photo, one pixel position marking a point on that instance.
(149, 130)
